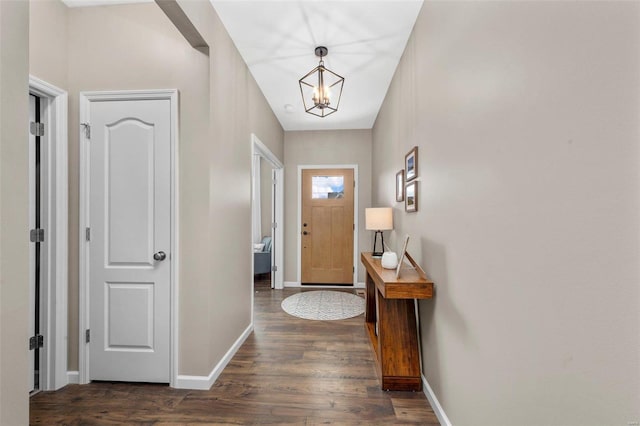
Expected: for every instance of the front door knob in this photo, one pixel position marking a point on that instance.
(160, 256)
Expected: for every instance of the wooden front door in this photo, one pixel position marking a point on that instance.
(327, 226)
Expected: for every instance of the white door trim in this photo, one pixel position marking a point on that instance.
(83, 298)
(55, 222)
(259, 148)
(355, 215)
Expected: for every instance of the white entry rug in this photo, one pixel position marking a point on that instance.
(323, 305)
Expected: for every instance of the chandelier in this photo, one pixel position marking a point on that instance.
(321, 88)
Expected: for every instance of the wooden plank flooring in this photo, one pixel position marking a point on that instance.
(289, 371)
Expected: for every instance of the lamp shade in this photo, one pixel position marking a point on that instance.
(378, 218)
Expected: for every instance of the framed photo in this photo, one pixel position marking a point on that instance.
(411, 164)
(400, 185)
(401, 257)
(411, 197)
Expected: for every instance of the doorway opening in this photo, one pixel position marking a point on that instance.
(36, 339)
(48, 236)
(263, 214)
(267, 208)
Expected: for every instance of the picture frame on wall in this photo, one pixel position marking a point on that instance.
(411, 164)
(400, 186)
(411, 197)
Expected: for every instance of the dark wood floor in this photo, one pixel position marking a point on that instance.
(289, 371)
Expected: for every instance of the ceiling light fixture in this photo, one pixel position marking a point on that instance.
(316, 88)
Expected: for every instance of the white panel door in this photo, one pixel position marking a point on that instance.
(130, 222)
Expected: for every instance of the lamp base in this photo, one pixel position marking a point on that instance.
(377, 254)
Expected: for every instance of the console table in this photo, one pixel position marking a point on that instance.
(391, 322)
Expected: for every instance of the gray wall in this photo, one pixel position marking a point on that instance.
(324, 148)
(222, 304)
(48, 42)
(14, 253)
(148, 52)
(526, 118)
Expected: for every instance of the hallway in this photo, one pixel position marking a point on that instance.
(289, 371)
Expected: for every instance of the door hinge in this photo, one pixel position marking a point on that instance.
(353, 269)
(36, 129)
(274, 225)
(87, 336)
(36, 235)
(354, 183)
(87, 130)
(354, 226)
(87, 234)
(36, 341)
(274, 268)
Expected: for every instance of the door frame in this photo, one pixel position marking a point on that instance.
(84, 248)
(53, 373)
(277, 254)
(355, 219)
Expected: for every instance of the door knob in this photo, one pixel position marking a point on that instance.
(160, 256)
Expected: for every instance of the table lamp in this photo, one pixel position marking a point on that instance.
(378, 219)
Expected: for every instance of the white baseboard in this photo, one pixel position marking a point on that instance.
(73, 377)
(360, 285)
(193, 382)
(435, 404)
(205, 382)
(291, 284)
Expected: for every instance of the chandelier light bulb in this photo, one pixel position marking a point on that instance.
(321, 96)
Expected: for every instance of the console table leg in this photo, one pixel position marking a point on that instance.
(370, 301)
(398, 343)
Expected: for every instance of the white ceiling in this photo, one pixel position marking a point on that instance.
(365, 40)
(277, 39)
